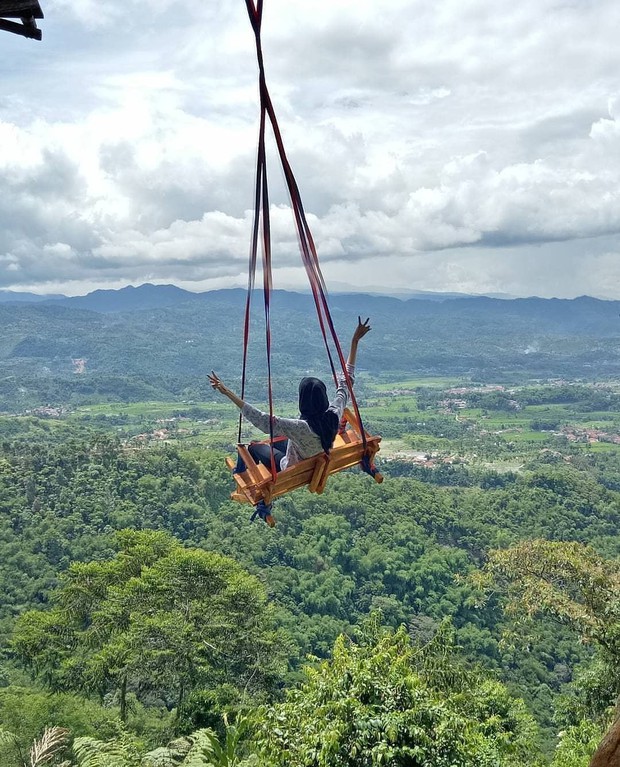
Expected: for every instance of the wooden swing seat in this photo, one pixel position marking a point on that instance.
(256, 484)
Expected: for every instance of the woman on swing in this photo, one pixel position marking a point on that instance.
(315, 429)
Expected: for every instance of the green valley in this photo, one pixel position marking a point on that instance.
(147, 618)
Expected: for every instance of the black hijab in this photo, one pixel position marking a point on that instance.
(315, 410)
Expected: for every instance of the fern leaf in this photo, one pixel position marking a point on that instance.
(161, 757)
(204, 751)
(197, 759)
(9, 748)
(50, 744)
(171, 755)
(7, 738)
(90, 752)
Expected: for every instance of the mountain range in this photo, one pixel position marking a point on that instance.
(160, 341)
(149, 296)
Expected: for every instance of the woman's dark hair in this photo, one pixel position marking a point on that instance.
(315, 410)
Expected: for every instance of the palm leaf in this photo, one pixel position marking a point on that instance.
(50, 744)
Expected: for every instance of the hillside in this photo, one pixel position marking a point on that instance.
(162, 343)
(124, 563)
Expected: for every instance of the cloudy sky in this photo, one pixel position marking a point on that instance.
(460, 145)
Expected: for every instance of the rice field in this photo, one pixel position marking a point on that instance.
(483, 435)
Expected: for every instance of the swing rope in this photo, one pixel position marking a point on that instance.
(262, 230)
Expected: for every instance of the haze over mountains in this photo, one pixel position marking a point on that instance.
(163, 340)
(149, 296)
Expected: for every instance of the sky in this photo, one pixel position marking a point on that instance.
(455, 146)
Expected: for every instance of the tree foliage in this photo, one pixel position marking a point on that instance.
(576, 744)
(332, 559)
(158, 619)
(384, 701)
(573, 585)
(566, 581)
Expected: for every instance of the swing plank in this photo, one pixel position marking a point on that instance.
(257, 484)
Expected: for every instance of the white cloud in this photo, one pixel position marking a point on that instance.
(447, 146)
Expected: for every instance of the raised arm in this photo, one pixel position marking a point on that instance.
(359, 333)
(218, 385)
(281, 427)
(339, 402)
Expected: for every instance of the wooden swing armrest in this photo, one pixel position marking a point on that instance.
(321, 469)
(251, 467)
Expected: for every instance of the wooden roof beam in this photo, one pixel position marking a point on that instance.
(27, 29)
(20, 9)
(25, 10)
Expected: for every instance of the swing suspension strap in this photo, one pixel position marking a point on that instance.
(262, 230)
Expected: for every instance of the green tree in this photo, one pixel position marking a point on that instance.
(386, 702)
(576, 745)
(160, 620)
(570, 584)
(567, 582)
(26, 712)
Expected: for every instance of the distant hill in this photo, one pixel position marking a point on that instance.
(404, 293)
(7, 296)
(132, 346)
(129, 299)
(150, 296)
